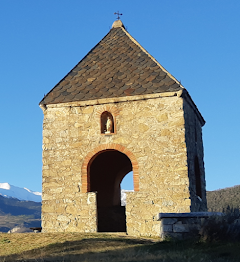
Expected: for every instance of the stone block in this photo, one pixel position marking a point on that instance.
(167, 203)
(47, 197)
(166, 228)
(194, 227)
(63, 218)
(162, 117)
(180, 228)
(142, 127)
(121, 140)
(88, 110)
(55, 190)
(166, 132)
(71, 209)
(179, 222)
(53, 185)
(48, 209)
(168, 221)
(60, 209)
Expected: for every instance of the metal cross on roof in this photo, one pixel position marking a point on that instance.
(118, 15)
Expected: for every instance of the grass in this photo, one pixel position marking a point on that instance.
(63, 247)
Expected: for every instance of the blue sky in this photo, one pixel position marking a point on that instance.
(198, 42)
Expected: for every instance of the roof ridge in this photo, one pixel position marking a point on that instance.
(147, 53)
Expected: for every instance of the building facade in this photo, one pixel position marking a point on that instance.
(118, 110)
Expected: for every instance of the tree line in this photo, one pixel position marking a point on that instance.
(225, 200)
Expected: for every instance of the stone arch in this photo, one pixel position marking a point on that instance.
(91, 156)
(110, 108)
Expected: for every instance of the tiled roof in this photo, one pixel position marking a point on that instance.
(116, 67)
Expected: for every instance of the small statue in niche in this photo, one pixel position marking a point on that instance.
(109, 125)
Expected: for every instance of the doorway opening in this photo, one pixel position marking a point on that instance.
(126, 186)
(106, 171)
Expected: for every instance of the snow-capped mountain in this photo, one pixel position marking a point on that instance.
(124, 196)
(7, 190)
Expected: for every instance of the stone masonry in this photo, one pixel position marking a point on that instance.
(183, 225)
(159, 133)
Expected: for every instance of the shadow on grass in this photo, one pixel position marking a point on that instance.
(79, 250)
(129, 250)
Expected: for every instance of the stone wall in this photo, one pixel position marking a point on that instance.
(75, 212)
(194, 143)
(151, 127)
(183, 225)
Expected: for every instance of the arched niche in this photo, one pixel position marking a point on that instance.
(107, 123)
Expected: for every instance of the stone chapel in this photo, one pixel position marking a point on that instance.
(118, 110)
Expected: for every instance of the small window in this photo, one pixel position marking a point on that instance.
(197, 177)
(107, 123)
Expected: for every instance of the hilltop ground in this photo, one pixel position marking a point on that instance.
(65, 247)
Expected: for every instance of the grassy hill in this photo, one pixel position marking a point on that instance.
(14, 212)
(78, 247)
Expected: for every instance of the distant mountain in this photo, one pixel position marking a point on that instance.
(14, 212)
(19, 207)
(7, 190)
(15, 207)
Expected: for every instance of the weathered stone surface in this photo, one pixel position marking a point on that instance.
(180, 228)
(154, 131)
(162, 117)
(165, 216)
(167, 228)
(184, 225)
(168, 221)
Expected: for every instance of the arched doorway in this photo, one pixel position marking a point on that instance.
(106, 169)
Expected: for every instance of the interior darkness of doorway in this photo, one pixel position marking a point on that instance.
(107, 170)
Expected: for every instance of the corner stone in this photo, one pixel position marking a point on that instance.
(166, 228)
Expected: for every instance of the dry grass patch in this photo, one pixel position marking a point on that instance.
(36, 246)
(77, 247)
(18, 243)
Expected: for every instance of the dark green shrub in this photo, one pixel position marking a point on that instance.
(221, 228)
